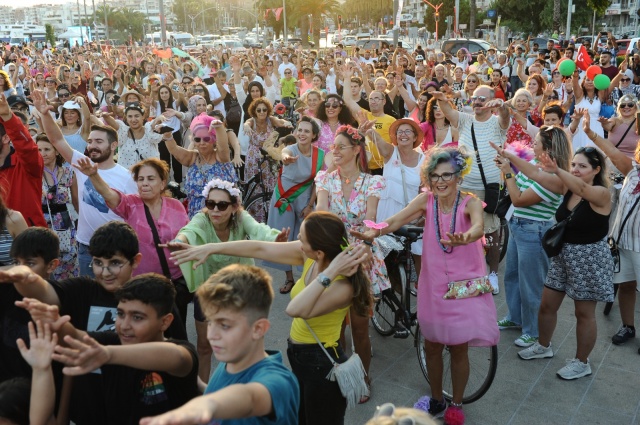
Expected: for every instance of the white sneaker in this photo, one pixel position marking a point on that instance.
(525, 340)
(493, 280)
(574, 369)
(536, 351)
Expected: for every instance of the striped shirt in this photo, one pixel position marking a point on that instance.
(542, 211)
(630, 238)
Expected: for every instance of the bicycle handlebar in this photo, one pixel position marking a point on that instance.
(412, 233)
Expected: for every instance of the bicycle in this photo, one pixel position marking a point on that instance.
(393, 313)
(254, 191)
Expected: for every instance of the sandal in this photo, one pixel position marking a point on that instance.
(287, 287)
(366, 397)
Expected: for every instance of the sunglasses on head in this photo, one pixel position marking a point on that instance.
(588, 149)
(222, 205)
(202, 139)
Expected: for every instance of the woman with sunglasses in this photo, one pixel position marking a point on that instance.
(622, 126)
(587, 96)
(51, 89)
(332, 113)
(352, 194)
(209, 160)
(312, 99)
(59, 189)
(626, 273)
(462, 93)
(221, 219)
(583, 269)
(534, 209)
(452, 250)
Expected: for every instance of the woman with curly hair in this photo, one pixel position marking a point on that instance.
(437, 129)
(6, 86)
(332, 113)
(462, 96)
(352, 194)
(452, 251)
(536, 85)
(258, 128)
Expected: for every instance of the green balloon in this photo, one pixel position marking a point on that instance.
(567, 67)
(601, 82)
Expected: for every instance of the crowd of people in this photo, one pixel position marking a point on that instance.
(99, 261)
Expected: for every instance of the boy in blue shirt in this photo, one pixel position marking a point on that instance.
(250, 386)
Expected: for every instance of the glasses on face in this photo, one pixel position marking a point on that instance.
(407, 132)
(480, 99)
(472, 81)
(332, 105)
(261, 110)
(202, 139)
(339, 62)
(67, 70)
(287, 72)
(49, 81)
(625, 80)
(446, 177)
(375, 99)
(114, 267)
(554, 73)
(198, 90)
(340, 147)
(627, 105)
(222, 205)
(187, 82)
(64, 95)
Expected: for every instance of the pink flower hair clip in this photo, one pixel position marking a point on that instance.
(351, 131)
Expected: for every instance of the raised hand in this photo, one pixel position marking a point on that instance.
(283, 236)
(86, 167)
(548, 164)
(45, 313)
(42, 343)
(586, 124)
(346, 263)
(82, 356)
(438, 95)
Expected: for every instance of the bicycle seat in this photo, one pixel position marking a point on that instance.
(412, 233)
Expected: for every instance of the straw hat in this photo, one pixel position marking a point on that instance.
(414, 125)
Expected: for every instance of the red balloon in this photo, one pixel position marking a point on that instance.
(592, 71)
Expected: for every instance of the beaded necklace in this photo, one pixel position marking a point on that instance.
(452, 225)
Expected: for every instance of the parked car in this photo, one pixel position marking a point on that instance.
(373, 43)
(349, 40)
(623, 46)
(473, 45)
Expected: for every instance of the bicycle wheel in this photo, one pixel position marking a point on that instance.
(259, 202)
(503, 238)
(387, 308)
(483, 363)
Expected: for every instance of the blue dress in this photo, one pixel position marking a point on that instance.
(198, 175)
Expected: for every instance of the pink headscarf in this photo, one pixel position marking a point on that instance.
(203, 121)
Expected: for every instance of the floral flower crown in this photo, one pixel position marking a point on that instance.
(463, 162)
(223, 185)
(351, 131)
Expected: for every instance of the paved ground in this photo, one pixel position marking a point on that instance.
(522, 392)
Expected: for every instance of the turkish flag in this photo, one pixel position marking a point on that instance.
(583, 60)
(278, 12)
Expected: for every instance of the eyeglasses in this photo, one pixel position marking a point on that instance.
(202, 139)
(446, 177)
(49, 81)
(405, 132)
(64, 95)
(627, 105)
(198, 90)
(625, 80)
(287, 72)
(340, 147)
(555, 73)
(66, 70)
(187, 82)
(114, 267)
(222, 205)
(332, 105)
(261, 110)
(480, 99)
(472, 81)
(376, 99)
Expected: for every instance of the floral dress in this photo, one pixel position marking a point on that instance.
(353, 214)
(201, 173)
(269, 169)
(457, 86)
(55, 199)
(518, 133)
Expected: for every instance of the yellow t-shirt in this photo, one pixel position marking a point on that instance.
(327, 327)
(382, 126)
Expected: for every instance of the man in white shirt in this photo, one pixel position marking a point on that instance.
(218, 91)
(287, 65)
(101, 147)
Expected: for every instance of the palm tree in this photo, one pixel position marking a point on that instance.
(111, 13)
(472, 18)
(316, 8)
(556, 16)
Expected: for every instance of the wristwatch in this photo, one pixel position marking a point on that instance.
(508, 176)
(324, 280)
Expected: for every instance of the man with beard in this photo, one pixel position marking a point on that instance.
(101, 146)
(607, 67)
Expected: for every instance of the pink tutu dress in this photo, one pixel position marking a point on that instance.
(453, 322)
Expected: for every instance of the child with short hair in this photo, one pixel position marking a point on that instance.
(250, 385)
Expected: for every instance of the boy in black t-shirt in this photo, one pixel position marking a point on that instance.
(142, 372)
(91, 304)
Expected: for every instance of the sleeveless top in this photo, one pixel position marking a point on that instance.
(76, 141)
(630, 141)
(327, 327)
(586, 225)
(198, 175)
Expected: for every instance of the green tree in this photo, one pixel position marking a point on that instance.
(183, 9)
(50, 34)
(111, 13)
(472, 17)
(557, 15)
(301, 11)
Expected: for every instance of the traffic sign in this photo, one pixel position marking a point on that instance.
(491, 13)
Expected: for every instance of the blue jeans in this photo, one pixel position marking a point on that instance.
(84, 260)
(526, 272)
(321, 401)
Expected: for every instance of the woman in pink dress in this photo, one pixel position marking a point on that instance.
(331, 114)
(452, 251)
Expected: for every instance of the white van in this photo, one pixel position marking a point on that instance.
(183, 39)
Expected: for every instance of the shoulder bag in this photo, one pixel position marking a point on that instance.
(493, 192)
(552, 240)
(350, 374)
(613, 243)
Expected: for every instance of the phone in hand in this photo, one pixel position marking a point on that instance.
(164, 129)
(400, 44)
(115, 99)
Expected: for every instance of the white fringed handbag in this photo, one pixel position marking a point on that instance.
(350, 375)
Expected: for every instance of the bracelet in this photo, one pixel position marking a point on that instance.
(367, 243)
